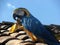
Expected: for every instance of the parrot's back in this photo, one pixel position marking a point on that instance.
(35, 26)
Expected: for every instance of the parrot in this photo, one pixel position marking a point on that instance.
(35, 26)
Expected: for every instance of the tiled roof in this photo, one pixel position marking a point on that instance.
(20, 37)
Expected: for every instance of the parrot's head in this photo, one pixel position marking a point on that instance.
(20, 13)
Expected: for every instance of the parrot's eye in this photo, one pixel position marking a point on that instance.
(17, 16)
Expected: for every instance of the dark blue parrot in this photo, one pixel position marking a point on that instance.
(34, 25)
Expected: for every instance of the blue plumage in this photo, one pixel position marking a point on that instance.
(35, 26)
